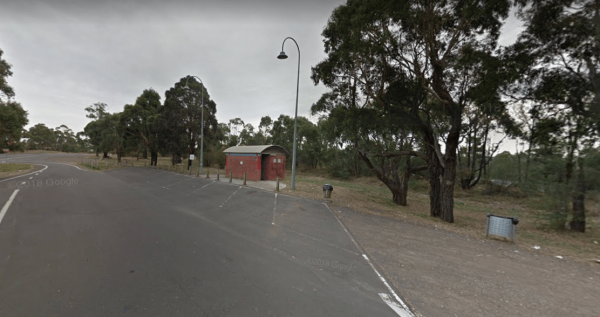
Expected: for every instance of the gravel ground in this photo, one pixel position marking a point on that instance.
(443, 274)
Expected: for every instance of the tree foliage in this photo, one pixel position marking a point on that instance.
(428, 60)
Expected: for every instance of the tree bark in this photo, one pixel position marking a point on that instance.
(119, 153)
(435, 173)
(153, 158)
(449, 171)
(578, 221)
(398, 187)
(105, 155)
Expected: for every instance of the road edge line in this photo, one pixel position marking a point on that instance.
(7, 205)
(38, 171)
(400, 301)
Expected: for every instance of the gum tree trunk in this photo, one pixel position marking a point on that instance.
(578, 221)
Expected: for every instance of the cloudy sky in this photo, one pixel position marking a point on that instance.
(69, 54)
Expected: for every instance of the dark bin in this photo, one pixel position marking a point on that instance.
(327, 189)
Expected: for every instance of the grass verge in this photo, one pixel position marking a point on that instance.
(368, 195)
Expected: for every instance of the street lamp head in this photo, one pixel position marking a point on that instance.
(282, 55)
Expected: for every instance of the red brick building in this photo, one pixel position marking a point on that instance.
(259, 162)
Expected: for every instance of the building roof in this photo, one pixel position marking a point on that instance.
(256, 149)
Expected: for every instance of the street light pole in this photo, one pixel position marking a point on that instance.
(282, 55)
(202, 124)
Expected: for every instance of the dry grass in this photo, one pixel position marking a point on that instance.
(368, 195)
(13, 167)
(164, 163)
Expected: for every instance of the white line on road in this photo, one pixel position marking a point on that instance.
(193, 191)
(404, 306)
(45, 167)
(230, 197)
(389, 288)
(31, 177)
(5, 208)
(393, 305)
(274, 206)
(77, 167)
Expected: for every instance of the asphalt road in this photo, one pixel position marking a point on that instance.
(143, 242)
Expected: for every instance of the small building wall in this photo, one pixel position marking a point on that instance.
(275, 167)
(250, 166)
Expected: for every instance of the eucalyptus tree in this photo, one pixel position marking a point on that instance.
(264, 133)
(478, 149)
(13, 118)
(39, 137)
(560, 47)
(143, 122)
(6, 91)
(182, 119)
(94, 129)
(427, 60)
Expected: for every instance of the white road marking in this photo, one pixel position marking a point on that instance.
(407, 311)
(77, 167)
(31, 177)
(193, 191)
(5, 208)
(404, 306)
(393, 305)
(274, 206)
(230, 197)
(45, 167)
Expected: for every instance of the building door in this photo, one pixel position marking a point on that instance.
(263, 166)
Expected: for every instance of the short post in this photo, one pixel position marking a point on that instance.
(277, 185)
(207, 176)
(230, 176)
(217, 174)
(244, 179)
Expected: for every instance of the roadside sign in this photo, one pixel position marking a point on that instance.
(191, 157)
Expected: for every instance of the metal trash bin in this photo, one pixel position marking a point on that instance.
(501, 226)
(327, 189)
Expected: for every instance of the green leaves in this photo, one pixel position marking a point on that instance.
(5, 90)
(12, 120)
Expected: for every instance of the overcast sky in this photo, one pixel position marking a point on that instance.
(69, 54)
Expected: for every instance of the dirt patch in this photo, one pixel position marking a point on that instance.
(447, 269)
(443, 274)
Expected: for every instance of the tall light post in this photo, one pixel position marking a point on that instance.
(282, 55)
(202, 124)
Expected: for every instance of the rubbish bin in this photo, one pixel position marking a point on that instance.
(501, 226)
(327, 189)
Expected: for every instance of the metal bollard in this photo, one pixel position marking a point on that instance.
(207, 176)
(244, 179)
(217, 174)
(230, 176)
(277, 186)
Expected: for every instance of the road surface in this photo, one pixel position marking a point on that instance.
(142, 242)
